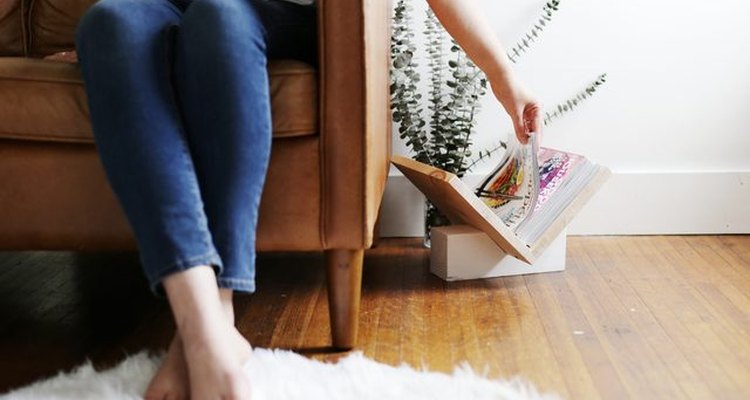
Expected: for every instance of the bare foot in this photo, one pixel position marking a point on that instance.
(215, 361)
(171, 380)
(215, 352)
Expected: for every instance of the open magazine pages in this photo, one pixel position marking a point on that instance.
(562, 178)
(531, 185)
(523, 204)
(511, 189)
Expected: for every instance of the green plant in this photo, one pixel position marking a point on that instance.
(405, 100)
(445, 141)
(441, 136)
(454, 101)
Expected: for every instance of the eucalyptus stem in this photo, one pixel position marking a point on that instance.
(405, 99)
(462, 170)
(435, 37)
(571, 103)
(486, 154)
(525, 42)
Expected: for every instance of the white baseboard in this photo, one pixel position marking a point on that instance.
(630, 203)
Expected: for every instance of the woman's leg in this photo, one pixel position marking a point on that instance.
(222, 85)
(221, 82)
(206, 355)
(124, 53)
(214, 351)
(123, 48)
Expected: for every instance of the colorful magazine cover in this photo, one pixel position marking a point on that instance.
(511, 189)
(554, 167)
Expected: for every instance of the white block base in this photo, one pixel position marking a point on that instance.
(460, 252)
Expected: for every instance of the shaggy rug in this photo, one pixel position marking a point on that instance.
(281, 375)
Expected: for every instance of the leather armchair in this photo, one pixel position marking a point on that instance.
(331, 144)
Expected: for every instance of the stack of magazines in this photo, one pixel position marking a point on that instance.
(531, 186)
(523, 204)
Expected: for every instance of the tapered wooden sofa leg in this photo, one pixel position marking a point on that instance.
(344, 268)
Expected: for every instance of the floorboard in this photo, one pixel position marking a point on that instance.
(630, 317)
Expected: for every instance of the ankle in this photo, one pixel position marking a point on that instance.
(194, 298)
(225, 296)
(198, 330)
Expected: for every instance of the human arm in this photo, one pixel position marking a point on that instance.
(465, 22)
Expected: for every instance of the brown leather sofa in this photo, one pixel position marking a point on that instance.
(331, 145)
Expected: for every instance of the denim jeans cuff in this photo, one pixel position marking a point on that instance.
(238, 285)
(213, 259)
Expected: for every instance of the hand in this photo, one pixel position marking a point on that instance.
(524, 111)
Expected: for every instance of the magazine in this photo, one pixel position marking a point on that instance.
(531, 186)
(523, 203)
(511, 189)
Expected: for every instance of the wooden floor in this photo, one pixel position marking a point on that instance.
(631, 317)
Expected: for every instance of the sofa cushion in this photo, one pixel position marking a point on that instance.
(46, 100)
(52, 24)
(11, 28)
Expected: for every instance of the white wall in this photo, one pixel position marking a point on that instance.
(673, 116)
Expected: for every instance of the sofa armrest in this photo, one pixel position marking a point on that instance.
(355, 131)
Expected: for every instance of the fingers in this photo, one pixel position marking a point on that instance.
(525, 113)
(521, 133)
(532, 120)
(532, 116)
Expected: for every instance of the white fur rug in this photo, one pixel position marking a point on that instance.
(281, 375)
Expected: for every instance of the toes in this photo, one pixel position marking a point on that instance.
(171, 379)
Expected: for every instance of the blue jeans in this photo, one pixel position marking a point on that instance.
(180, 111)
